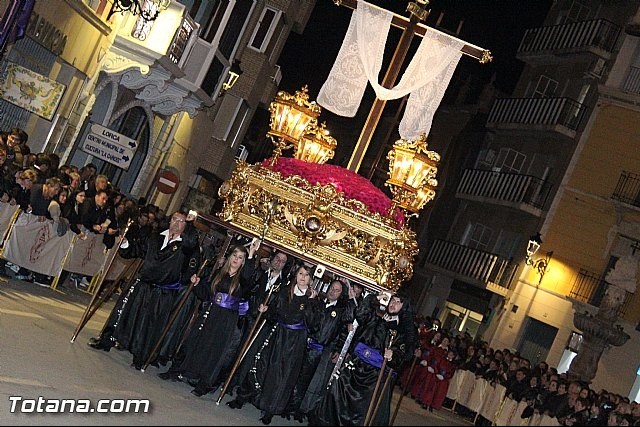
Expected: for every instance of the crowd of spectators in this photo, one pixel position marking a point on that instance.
(77, 200)
(545, 391)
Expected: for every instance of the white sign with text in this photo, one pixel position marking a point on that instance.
(110, 146)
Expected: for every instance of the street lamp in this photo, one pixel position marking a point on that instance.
(148, 10)
(290, 117)
(412, 174)
(316, 145)
(539, 264)
(234, 72)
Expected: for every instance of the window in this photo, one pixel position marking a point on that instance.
(265, 29)
(211, 26)
(578, 11)
(485, 159)
(510, 161)
(478, 236)
(545, 88)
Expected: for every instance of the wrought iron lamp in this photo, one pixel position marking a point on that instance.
(412, 174)
(148, 10)
(539, 264)
(290, 117)
(232, 76)
(316, 145)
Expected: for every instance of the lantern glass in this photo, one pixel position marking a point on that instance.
(316, 145)
(292, 114)
(534, 244)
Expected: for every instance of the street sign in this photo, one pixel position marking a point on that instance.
(167, 182)
(110, 146)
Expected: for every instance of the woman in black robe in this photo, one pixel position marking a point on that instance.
(346, 402)
(277, 364)
(207, 348)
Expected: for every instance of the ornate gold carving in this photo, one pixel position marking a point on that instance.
(320, 223)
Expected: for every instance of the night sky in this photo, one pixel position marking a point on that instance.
(497, 25)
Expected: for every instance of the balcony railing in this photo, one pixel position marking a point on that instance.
(598, 33)
(590, 288)
(632, 82)
(477, 266)
(510, 188)
(628, 189)
(537, 111)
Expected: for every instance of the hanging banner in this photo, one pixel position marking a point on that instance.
(110, 146)
(31, 91)
(34, 245)
(87, 256)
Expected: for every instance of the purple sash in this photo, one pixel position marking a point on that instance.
(172, 287)
(293, 326)
(314, 345)
(227, 301)
(368, 355)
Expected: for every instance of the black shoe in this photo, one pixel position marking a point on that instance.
(266, 419)
(299, 417)
(235, 404)
(100, 345)
(201, 391)
(169, 375)
(94, 340)
(137, 365)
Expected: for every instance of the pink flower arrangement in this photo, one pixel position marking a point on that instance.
(352, 185)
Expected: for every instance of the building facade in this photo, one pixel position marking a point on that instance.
(159, 85)
(559, 158)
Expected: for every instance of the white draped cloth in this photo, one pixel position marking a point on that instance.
(360, 61)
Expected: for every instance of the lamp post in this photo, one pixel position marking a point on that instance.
(540, 264)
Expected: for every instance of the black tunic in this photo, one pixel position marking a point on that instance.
(276, 365)
(328, 329)
(347, 400)
(149, 305)
(213, 341)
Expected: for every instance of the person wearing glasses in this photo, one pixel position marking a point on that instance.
(170, 258)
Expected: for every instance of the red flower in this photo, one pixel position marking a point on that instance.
(352, 185)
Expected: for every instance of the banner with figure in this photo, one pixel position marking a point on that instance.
(35, 245)
(87, 256)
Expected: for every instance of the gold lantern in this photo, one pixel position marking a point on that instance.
(316, 145)
(412, 174)
(290, 117)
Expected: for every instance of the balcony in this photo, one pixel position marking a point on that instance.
(628, 189)
(562, 115)
(548, 45)
(590, 288)
(631, 84)
(524, 192)
(480, 268)
(151, 58)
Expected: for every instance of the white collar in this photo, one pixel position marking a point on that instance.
(330, 304)
(166, 242)
(299, 292)
(387, 317)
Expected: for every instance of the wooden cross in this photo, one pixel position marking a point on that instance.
(410, 27)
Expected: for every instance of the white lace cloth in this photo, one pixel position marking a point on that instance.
(360, 61)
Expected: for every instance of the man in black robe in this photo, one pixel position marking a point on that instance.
(347, 400)
(142, 311)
